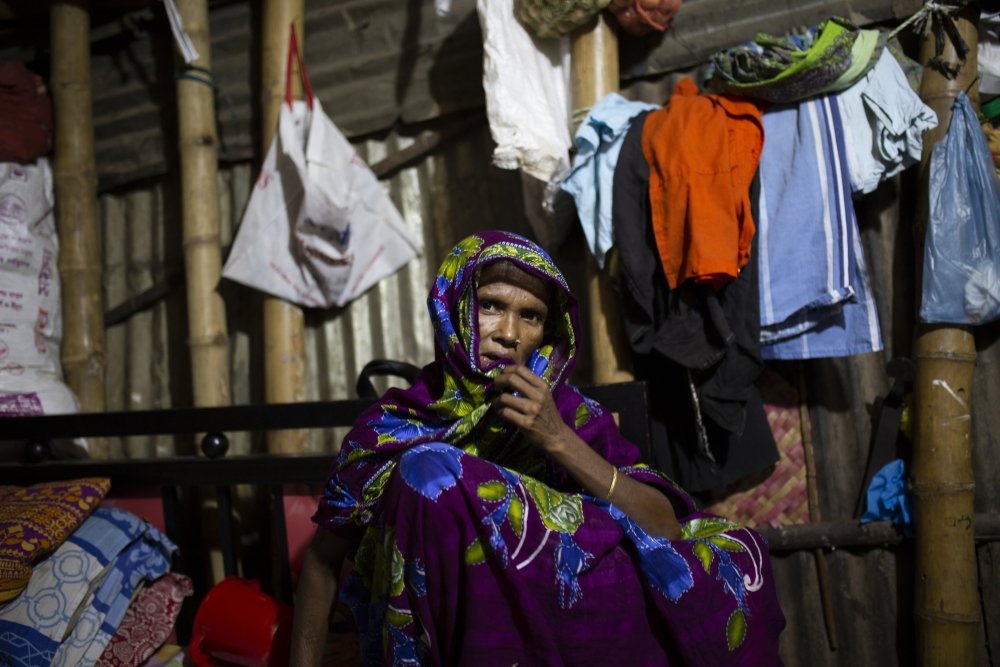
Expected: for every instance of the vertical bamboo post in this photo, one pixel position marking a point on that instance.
(114, 263)
(946, 603)
(208, 337)
(284, 323)
(75, 181)
(594, 56)
(141, 327)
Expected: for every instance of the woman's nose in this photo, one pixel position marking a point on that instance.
(506, 331)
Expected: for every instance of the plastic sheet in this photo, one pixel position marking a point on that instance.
(961, 280)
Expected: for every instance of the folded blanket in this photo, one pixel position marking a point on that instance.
(35, 520)
(148, 622)
(77, 597)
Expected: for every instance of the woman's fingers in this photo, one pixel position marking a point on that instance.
(522, 380)
(539, 424)
(519, 404)
(526, 402)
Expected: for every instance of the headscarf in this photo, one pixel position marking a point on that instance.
(450, 399)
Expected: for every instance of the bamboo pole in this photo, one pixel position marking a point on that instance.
(141, 328)
(115, 268)
(849, 534)
(284, 323)
(946, 602)
(208, 337)
(594, 56)
(75, 182)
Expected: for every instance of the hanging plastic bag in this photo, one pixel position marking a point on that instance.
(961, 282)
(318, 230)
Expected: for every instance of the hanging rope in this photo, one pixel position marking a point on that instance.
(937, 17)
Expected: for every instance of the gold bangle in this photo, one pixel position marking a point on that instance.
(614, 480)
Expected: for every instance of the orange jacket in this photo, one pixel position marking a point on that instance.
(702, 152)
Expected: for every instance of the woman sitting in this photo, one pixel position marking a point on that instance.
(496, 516)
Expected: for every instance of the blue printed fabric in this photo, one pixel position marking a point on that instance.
(815, 297)
(77, 597)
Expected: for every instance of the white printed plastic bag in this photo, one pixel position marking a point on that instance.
(318, 230)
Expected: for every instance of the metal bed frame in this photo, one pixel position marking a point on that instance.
(215, 470)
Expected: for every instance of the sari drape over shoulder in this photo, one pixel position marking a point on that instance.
(475, 548)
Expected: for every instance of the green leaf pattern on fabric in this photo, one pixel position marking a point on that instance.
(582, 415)
(561, 512)
(724, 542)
(396, 563)
(710, 530)
(373, 490)
(519, 252)
(492, 491)
(459, 257)
(454, 399)
(464, 426)
(475, 554)
(515, 515)
(710, 540)
(736, 629)
(385, 561)
(358, 453)
(706, 527)
(704, 554)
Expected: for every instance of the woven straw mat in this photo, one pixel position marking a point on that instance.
(782, 497)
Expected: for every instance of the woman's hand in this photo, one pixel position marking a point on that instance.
(531, 408)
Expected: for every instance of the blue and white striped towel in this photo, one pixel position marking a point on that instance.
(815, 297)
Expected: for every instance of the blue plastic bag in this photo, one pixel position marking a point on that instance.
(961, 282)
(888, 499)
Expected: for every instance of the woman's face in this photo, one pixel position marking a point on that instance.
(512, 315)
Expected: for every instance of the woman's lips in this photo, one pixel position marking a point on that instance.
(490, 357)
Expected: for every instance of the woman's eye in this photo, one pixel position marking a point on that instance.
(487, 305)
(532, 316)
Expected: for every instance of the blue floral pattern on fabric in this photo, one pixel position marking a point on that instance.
(431, 469)
(404, 648)
(496, 517)
(391, 426)
(571, 562)
(666, 569)
(731, 577)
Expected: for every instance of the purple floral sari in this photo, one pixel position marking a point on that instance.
(476, 549)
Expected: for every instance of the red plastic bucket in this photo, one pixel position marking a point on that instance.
(238, 624)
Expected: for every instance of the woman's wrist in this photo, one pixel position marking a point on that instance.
(560, 443)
